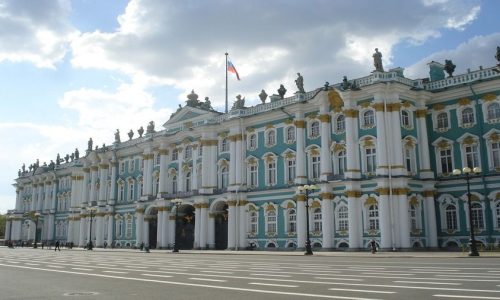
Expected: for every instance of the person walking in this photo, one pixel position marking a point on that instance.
(373, 246)
(57, 246)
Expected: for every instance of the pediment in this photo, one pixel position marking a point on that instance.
(188, 114)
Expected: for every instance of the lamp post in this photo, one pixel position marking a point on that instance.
(177, 202)
(91, 210)
(37, 215)
(467, 172)
(307, 189)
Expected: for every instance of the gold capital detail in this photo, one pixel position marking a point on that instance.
(326, 195)
(351, 113)
(421, 113)
(243, 202)
(324, 118)
(378, 106)
(353, 194)
(300, 197)
(335, 100)
(464, 101)
(300, 124)
(231, 202)
(428, 194)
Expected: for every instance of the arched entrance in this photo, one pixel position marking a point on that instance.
(184, 227)
(153, 228)
(220, 219)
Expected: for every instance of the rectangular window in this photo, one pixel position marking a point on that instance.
(471, 156)
(371, 160)
(271, 173)
(342, 162)
(446, 163)
(451, 219)
(495, 154)
(315, 167)
(290, 165)
(253, 175)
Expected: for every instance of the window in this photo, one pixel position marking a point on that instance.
(131, 191)
(118, 228)
(446, 162)
(477, 216)
(451, 217)
(156, 187)
(271, 173)
(174, 184)
(405, 118)
(252, 141)
(271, 222)
(271, 138)
(442, 121)
(341, 162)
(290, 134)
(157, 159)
(175, 154)
(121, 168)
(409, 157)
(413, 218)
(252, 175)
(315, 167)
(253, 220)
(317, 223)
(224, 145)
(373, 222)
(495, 154)
(131, 165)
(368, 118)
(315, 129)
(343, 218)
(121, 193)
(498, 215)
(340, 124)
(188, 153)
(290, 170)
(224, 177)
(371, 160)
(493, 112)
(292, 221)
(188, 181)
(471, 156)
(467, 116)
(128, 227)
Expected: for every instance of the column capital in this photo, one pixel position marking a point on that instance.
(325, 118)
(421, 113)
(353, 194)
(351, 113)
(429, 193)
(299, 123)
(326, 196)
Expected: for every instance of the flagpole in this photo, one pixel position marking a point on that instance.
(226, 82)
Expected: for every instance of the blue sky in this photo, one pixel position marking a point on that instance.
(70, 70)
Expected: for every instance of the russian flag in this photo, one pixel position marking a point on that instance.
(232, 69)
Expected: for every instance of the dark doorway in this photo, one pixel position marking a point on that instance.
(184, 229)
(153, 228)
(221, 226)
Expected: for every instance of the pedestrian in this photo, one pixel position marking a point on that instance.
(57, 246)
(373, 246)
(42, 244)
(105, 245)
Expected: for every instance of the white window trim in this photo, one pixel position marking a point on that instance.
(221, 165)
(249, 177)
(460, 110)
(365, 209)
(221, 145)
(463, 154)
(418, 211)
(413, 153)
(362, 124)
(288, 155)
(410, 118)
(309, 129)
(444, 200)
(249, 146)
(363, 147)
(489, 147)
(465, 207)
(285, 134)
(437, 155)
(484, 106)
(251, 208)
(494, 212)
(273, 158)
(266, 221)
(435, 122)
(334, 124)
(266, 137)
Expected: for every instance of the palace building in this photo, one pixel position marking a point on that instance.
(380, 149)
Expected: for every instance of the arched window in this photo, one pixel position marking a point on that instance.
(128, 227)
(341, 162)
(157, 186)
(451, 217)
(442, 120)
(292, 220)
(315, 167)
(495, 154)
(373, 222)
(413, 217)
(493, 111)
(340, 123)
(224, 145)
(188, 153)
(405, 118)
(290, 134)
(271, 138)
(174, 184)
(343, 218)
(252, 175)
(271, 222)
(368, 118)
(314, 129)
(224, 176)
(121, 193)
(471, 156)
(253, 222)
(477, 215)
(252, 141)
(118, 228)
(175, 154)
(371, 159)
(131, 191)
(317, 220)
(290, 169)
(271, 172)
(188, 181)
(467, 116)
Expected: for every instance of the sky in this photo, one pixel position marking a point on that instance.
(70, 70)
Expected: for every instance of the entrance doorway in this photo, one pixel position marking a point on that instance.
(220, 218)
(184, 227)
(153, 228)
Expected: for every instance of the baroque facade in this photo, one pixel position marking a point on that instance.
(381, 150)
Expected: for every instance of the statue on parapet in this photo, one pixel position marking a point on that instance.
(89, 144)
(66, 158)
(300, 83)
(23, 168)
(117, 136)
(207, 105)
(282, 91)
(263, 96)
(497, 56)
(449, 67)
(345, 84)
(192, 99)
(130, 134)
(52, 165)
(72, 156)
(326, 86)
(19, 173)
(140, 131)
(151, 127)
(377, 61)
(58, 159)
(77, 153)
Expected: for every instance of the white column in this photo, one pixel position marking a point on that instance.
(69, 237)
(423, 145)
(85, 196)
(396, 141)
(211, 231)
(213, 164)
(232, 160)
(195, 185)
(33, 197)
(205, 162)
(112, 195)
(103, 183)
(300, 164)
(18, 198)
(148, 174)
(239, 160)
(242, 240)
(203, 225)
(352, 149)
(384, 219)
(47, 199)
(180, 171)
(430, 219)
(93, 179)
(146, 240)
(231, 224)
(382, 152)
(139, 218)
(327, 219)
(50, 233)
(111, 227)
(171, 229)
(39, 205)
(355, 229)
(197, 223)
(99, 232)
(301, 221)
(326, 155)
(159, 227)
(163, 152)
(165, 241)
(8, 231)
(404, 219)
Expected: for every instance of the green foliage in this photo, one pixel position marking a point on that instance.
(3, 220)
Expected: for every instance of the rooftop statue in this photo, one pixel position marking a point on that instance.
(77, 153)
(151, 127)
(140, 131)
(449, 67)
(263, 96)
(345, 84)
(377, 61)
(300, 83)
(239, 103)
(130, 134)
(66, 158)
(497, 56)
(90, 143)
(58, 159)
(19, 173)
(52, 165)
(192, 99)
(282, 91)
(23, 168)
(326, 86)
(207, 105)
(117, 136)
(72, 156)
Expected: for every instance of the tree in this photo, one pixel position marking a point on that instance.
(3, 220)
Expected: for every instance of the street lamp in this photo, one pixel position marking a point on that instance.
(37, 215)
(467, 172)
(177, 202)
(91, 210)
(307, 189)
